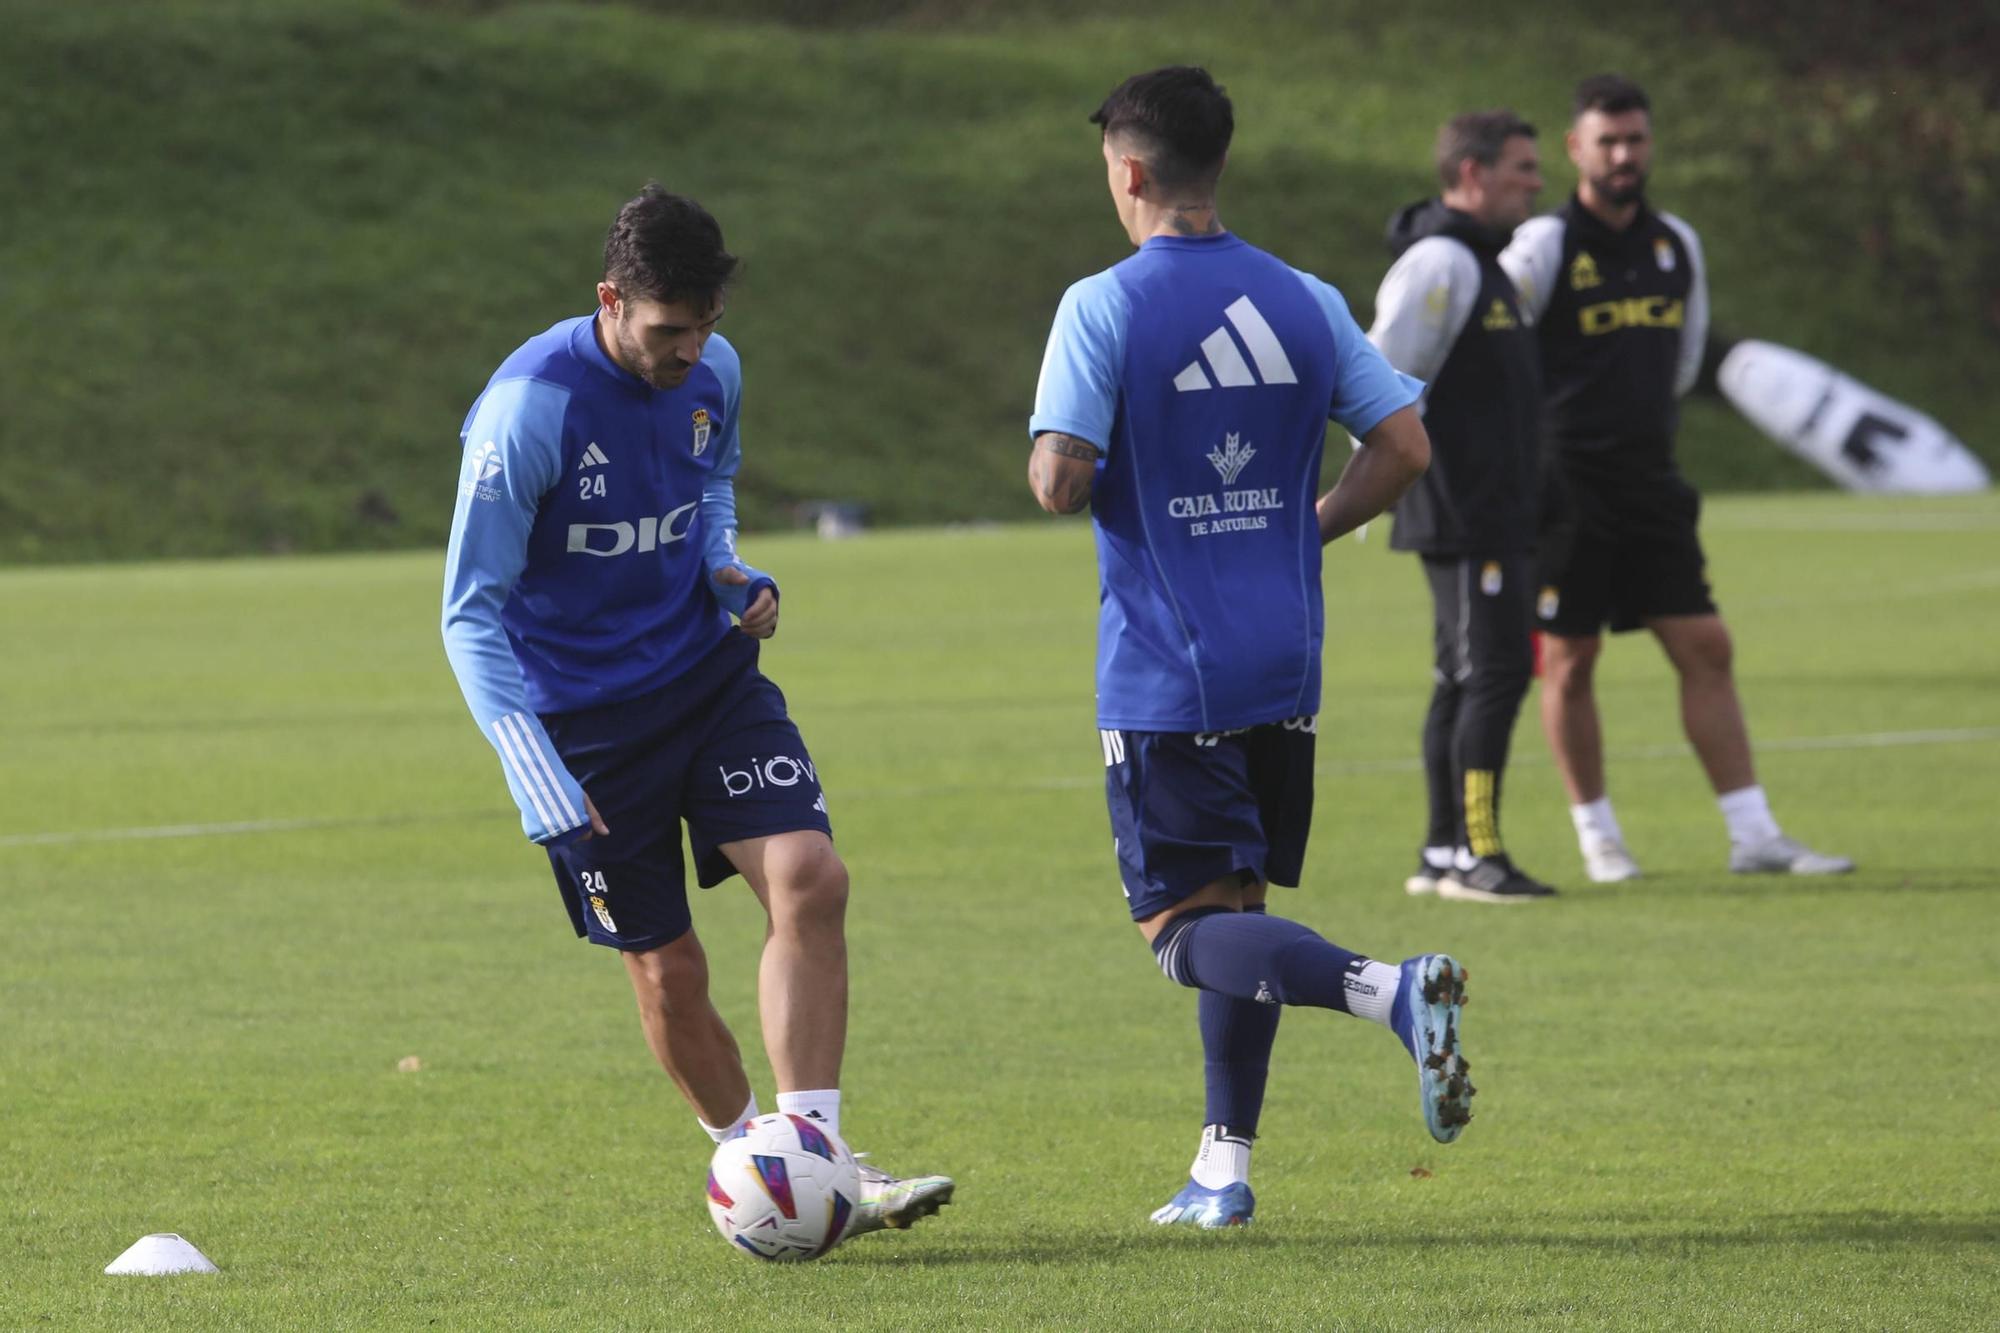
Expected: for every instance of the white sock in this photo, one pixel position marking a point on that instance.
(1748, 815)
(1222, 1159)
(821, 1104)
(1595, 817)
(1437, 858)
(728, 1131)
(1371, 989)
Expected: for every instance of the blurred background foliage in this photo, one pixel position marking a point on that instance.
(259, 257)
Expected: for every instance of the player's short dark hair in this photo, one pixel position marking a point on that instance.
(1178, 118)
(1478, 136)
(666, 247)
(1611, 94)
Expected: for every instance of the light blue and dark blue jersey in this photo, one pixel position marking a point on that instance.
(1207, 370)
(592, 510)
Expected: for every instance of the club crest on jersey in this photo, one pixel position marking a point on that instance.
(702, 426)
(1663, 254)
(1583, 273)
(1489, 578)
(1498, 317)
(1546, 604)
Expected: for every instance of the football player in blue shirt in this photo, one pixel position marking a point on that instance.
(589, 588)
(1184, 399)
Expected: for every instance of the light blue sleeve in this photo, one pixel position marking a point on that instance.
(513, 457)
(1366, 388)
(1081, 369)
(718, 493)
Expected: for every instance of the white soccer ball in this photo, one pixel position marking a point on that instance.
(784, 1188)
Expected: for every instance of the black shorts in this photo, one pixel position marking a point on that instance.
(1618, 552)
(1480, 607)
(1190, 809)
(713, 747)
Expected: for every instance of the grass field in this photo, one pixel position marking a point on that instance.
(253, 853)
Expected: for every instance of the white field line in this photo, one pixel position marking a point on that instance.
(1875, 740)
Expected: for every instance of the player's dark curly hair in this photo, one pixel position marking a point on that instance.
(1178, 119)
(666, 247)
(1479, 136)
(1611, 94)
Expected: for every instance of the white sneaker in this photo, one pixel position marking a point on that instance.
(1606, 861)
(889, 1203)
(1784, 856)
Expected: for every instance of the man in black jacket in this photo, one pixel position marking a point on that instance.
(1619, 298)
(1447, 314)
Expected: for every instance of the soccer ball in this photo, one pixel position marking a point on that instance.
(784, 1188)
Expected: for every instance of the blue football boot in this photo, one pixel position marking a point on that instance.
(1200, 1206)
(1426, 1016)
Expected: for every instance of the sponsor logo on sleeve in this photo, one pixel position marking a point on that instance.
(482, 465)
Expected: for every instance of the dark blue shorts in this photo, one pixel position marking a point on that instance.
(1190, 809)
(715, 748)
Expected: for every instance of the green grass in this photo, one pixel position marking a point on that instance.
(1705, 1101)
(262, 256)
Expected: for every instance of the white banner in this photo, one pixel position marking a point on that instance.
(1865, 440)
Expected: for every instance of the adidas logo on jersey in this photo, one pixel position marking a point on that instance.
(592, 457)
(1226, 363)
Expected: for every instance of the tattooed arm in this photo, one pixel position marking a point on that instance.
(1060, 470)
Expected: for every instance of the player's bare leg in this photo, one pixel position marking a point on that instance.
(1576, 739)
(802, 978)
(1569, 713)
(687, 1035)
(1711, 713)
(802, 998)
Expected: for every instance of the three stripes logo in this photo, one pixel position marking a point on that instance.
(1225, 362)
(1114, 747)
(533, 772)
(592, 457)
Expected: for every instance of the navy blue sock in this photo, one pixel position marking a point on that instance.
(1236, 1040)
(1253, 956)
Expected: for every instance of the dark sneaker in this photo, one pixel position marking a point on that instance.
(1492, 879)
(1424, 879)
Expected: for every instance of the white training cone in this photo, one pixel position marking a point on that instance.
(158, 1255)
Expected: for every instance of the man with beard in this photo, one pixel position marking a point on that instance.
(589, 587)
(1447, 314)
(1620, 301)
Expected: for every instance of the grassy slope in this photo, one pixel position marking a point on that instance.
(1705, 1101)
(262, 256)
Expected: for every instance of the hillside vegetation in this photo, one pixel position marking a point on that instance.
(260, 257)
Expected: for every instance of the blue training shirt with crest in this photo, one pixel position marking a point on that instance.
(593, 511)
(1207, 370)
